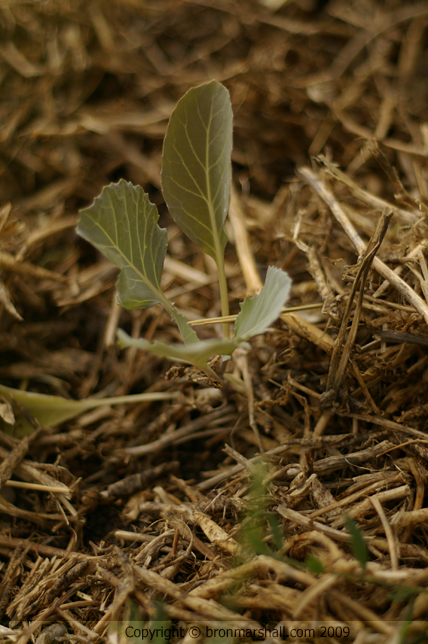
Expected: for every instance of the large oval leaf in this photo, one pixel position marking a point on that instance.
(122, 224)
(196, 166)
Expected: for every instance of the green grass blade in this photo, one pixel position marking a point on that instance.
(122, 224)
(358, 544)
(258, 312)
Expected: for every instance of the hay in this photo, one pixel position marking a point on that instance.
(132, 504)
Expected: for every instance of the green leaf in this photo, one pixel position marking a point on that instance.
(358, 544)
(253, 539)
(402, 593)
(276, 530)
(196, 166)
(161, 623)
(50, 411)
(122, 224)
(187, 333)
(195, 354)
(314, 565)
(405, 627)
(258, 312)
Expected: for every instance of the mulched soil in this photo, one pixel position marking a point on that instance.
(292, 497)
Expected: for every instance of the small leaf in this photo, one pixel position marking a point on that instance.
(195, 354)
(50, 411)
(196, 166)
(187, 333)
(358, 544)
(122, 224)
(258, 312)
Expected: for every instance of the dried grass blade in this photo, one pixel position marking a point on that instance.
(340, 358)
(406, 291)
(242, 243)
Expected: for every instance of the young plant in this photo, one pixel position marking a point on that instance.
(259, 521)
(196, 176)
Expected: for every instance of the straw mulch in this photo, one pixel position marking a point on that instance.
(149, 512)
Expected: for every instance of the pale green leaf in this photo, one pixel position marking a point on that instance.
(258, 312)
(196, 166)
(358, 544)
(195, 354)
(50, 411)
(187, 333)
(314, 565)
(122, 224)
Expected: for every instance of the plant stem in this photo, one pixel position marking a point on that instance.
(167, 305)
(224, 298)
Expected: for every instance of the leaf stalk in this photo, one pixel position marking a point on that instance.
(224, 299)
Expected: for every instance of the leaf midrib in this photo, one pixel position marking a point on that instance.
(216, 237)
